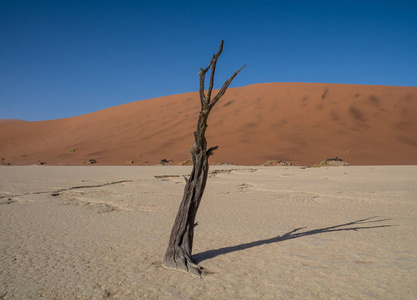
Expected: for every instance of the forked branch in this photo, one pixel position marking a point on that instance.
(206, 100)
(224, 88)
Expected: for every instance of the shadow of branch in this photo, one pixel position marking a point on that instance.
(293, 234)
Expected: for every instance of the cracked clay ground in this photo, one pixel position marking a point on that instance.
(264, 233)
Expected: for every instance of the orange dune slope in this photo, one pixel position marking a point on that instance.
(302, 123)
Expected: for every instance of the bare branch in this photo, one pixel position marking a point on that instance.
(202, 77)
(224, 88)
(211, 150)
(213, 70)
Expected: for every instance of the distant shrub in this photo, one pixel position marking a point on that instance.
(3, 163)
(165, 162)
(89, 162)
(187, 162)
(277, 163)
(331, 162)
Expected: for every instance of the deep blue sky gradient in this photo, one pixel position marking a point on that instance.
(65, 58)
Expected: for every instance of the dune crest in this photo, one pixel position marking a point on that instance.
(301, 123)
(4, 121)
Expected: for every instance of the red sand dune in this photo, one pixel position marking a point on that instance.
(303, 123)
(3, 121)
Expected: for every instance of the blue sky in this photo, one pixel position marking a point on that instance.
(62, 58)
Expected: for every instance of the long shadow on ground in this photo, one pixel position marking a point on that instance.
(293, 234)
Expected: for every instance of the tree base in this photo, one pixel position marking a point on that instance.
(182, 263)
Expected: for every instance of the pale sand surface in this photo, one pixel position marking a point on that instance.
(264, 233)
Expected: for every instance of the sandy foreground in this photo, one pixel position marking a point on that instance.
(264, 233)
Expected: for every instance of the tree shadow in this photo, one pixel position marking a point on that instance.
(293, 234)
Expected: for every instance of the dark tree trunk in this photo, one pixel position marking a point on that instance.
(178, 254)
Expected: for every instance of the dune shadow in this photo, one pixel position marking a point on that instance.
(293, 234)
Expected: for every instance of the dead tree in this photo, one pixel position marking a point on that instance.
(178, 254)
